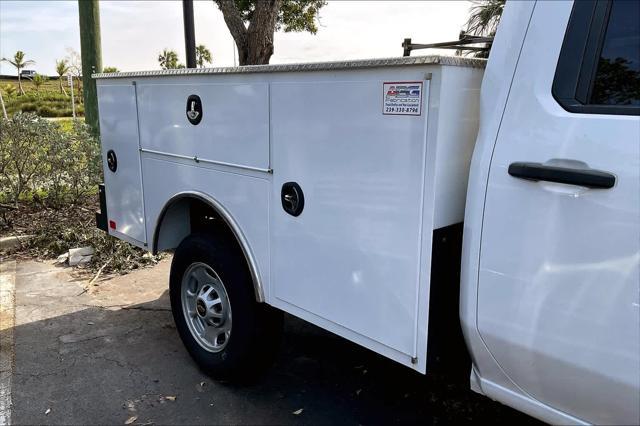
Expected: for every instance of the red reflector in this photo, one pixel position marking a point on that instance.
(112, 224)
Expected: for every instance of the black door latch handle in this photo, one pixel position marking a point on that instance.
(112, 160)
(292, 198)
(582, 177)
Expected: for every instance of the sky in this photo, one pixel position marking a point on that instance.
(134, 32)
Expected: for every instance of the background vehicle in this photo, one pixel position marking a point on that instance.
(316, 190)
(27, 73)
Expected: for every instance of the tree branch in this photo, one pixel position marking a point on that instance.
(233, 19)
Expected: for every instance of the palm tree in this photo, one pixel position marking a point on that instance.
(19, 62)
(39, 80)
(483, 19)
(61, 69)
(203, 55)
(168, 59)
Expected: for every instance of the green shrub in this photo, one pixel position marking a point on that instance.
(46, 111)
(66, 113)
(52, 96)
(66, 125)
(23, 141)
(44, 103)
(38, 158)
(39, 80)
(9, 89)
(29, 107)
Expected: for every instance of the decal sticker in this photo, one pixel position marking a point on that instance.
(402, 98)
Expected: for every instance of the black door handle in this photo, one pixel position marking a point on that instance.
(582, 177)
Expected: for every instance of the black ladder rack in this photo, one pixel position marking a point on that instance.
(461, 44)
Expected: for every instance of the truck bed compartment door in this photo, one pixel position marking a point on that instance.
(121, 162)
(231, 125)
(349, 258)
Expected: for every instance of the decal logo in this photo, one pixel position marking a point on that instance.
(402, 98)
(404, 91)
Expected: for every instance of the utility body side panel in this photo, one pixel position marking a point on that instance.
(119, 133)
(453, 124)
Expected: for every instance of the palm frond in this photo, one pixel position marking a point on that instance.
(485, 16)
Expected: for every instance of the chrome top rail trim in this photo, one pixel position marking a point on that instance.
(459, 61)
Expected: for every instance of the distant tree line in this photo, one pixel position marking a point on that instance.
(168, 58)
(71, 64)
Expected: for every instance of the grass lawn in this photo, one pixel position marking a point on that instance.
(48, 101)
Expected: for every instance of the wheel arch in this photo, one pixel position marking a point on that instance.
(177, 212)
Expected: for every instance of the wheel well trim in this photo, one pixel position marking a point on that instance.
(231, 223)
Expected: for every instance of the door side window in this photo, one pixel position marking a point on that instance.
(598, 70)
(617, 80)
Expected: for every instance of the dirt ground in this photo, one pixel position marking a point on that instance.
(109, 354)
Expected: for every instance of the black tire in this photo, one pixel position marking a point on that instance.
(256, 328)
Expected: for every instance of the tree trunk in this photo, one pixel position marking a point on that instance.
(4, 110)
(79, 90)
(234, 22)
(243, 53)
(20, 89)
(64, 92)
(260, 32)
(255, 43)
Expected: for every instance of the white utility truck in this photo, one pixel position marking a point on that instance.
(398, 202)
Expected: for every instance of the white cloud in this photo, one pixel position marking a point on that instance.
(133, 33)
(365, 29)
(41, 30)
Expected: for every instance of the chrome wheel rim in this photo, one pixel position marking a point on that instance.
(206, 307)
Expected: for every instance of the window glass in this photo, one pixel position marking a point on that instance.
(617, 80)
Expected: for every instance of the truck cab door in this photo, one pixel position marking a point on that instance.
(558, 292)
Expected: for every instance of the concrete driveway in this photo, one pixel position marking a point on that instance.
(111, 354)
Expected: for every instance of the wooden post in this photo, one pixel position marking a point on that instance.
(73, 101)
(4, 110)
(91, 52)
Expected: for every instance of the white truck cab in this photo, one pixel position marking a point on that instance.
(416, 206)
(550, 273)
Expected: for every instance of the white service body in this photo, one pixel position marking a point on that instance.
(377, 180)
(550, 276)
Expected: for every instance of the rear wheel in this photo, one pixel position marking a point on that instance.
(228, 334)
